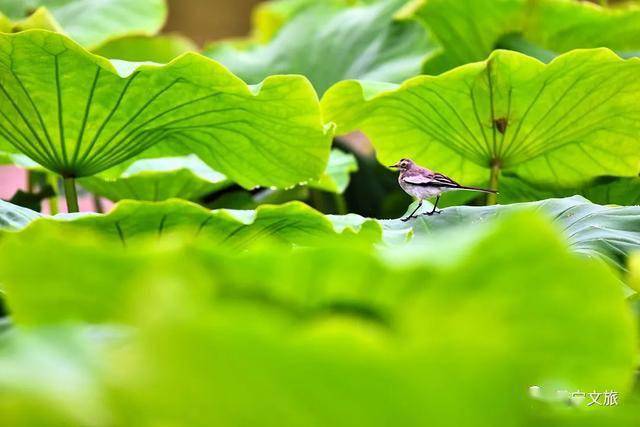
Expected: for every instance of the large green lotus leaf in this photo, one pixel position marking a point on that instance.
(292, 223)
(470, 29)
(157, 179)
(466, 29)
(129, 236)
(9, 155)
(603, 191)
(556, 26)
(560, 124)
(479, 290)
(269, 16)
(607, 232)
(87, 281)
(563, 25)
(329, 42)
(76, 293)
(71, 112)
(161, 48)
(474, 333)
(590, 229)
(5, 147)
(91, 22)
(505, 317)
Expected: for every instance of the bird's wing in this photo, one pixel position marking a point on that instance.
(418, 179)
(445, 179)
(431, 180)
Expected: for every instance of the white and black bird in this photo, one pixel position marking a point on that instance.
(422, 183)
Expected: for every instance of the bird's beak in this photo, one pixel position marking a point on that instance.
(396, 166)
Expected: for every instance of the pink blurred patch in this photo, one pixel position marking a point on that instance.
(13, 179)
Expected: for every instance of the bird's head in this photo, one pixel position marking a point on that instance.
(403, 164)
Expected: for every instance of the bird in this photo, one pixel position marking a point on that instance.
(422, 183)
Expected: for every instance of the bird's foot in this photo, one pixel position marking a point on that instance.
(407, 218)
(432, 213)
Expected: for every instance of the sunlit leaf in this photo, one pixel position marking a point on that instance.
(269, 16)
(89, 22)
(555, 125)
(72, 113)
(331, 42)
(157, 179)
(161, 48)
(470, 29)
(563, 25)
(291, 223)
(466, 29)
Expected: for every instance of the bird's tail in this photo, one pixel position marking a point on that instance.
(482, 190)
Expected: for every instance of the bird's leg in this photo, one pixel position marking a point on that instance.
(414, 211)
(435, 205)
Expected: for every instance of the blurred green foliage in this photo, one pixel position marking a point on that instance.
(267, 311)
(189, 333)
